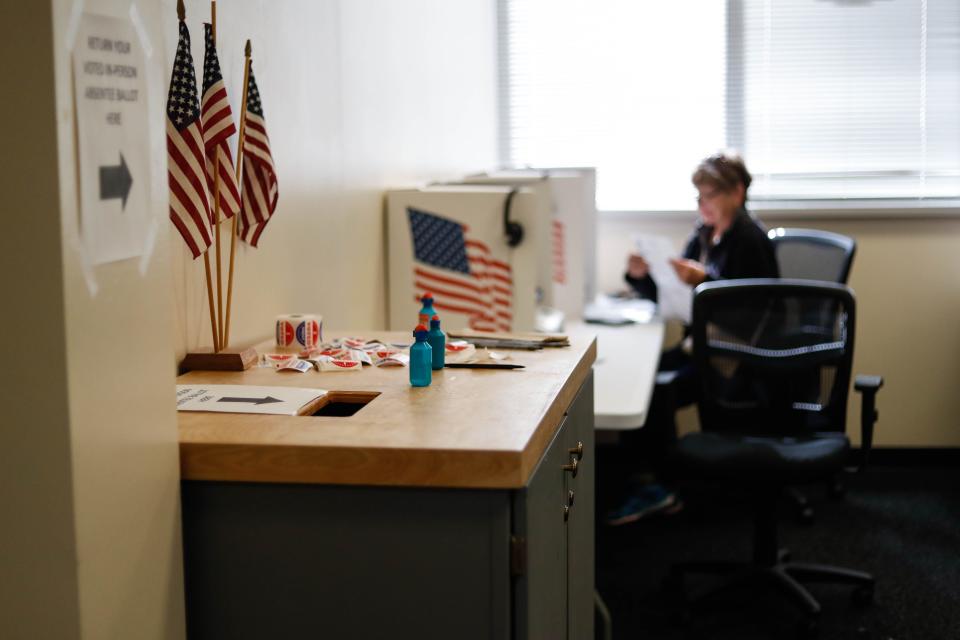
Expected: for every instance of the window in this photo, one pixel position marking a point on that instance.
(827, 99)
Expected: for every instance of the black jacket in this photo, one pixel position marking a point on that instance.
(744, 251)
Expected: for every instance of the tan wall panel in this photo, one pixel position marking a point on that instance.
(907, 279)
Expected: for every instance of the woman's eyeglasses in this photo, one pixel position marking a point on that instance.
(710, 195)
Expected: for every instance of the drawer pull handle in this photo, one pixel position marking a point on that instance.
(577, 450)
(572, 467)
(566, 513)
(570, 497)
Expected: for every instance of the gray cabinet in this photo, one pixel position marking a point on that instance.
(580, 525)
(322, 561)
(554, 521)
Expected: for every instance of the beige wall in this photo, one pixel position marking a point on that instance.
(91, 535)
(359, 96)
(906, 275)
(38, 558)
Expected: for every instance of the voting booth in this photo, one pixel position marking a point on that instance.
(481, 250)
(567, 198)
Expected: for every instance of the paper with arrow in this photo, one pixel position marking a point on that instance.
(235, 398)
(111, 104)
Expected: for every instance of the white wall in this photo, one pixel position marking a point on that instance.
(906, 275)
(358, 96)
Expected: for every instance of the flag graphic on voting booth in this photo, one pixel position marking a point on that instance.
(450, 241)
(461, 272)
(567, 198)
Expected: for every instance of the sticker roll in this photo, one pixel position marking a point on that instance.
(299, 331)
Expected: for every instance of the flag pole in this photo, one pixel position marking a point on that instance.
(216, 199)
(233, 232)
(181, 16)
(213, 319)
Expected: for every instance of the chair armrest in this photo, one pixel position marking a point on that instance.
(868, 386)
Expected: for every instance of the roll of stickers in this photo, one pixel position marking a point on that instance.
(298, 331)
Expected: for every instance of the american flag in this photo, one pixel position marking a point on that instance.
(217, 128)
(460, 271)
(559, 253)
(259, 178)
(189, 202)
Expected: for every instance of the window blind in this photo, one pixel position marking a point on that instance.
(846, 98)
(827, 99)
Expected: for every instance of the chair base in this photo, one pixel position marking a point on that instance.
(786, 576)
(801, 505)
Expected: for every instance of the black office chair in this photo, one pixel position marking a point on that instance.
(811, 254)
(764, 426)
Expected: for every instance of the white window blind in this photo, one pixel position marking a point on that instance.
(635, 89)
(846, 98)
(827, 99)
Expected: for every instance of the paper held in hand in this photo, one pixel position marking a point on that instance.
(230, 398)
(674, 297)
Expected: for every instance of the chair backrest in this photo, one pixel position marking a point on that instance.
(767, 366)
(811, 254)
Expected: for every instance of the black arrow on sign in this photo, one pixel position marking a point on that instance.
(115, 182)
(266, 400)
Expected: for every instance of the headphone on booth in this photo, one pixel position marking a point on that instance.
(512, 230)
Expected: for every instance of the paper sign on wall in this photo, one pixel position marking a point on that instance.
(110, 101)
(235, 398)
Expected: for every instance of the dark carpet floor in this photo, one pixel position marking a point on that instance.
(902, 525)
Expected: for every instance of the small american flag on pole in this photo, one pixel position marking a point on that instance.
(189, 202)
(460, 271)
(259, 177)
(217, 128)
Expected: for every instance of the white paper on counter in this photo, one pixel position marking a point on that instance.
(235, 398)
(674, 297)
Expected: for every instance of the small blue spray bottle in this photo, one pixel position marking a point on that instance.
(438, 342)
(427, 311)
(421, 358)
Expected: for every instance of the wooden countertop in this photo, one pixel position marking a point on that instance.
(470, 429)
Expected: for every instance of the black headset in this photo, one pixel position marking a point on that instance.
(512, 230)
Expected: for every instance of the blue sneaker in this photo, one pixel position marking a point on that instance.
(645, 501)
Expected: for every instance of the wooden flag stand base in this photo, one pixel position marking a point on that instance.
(227, 360)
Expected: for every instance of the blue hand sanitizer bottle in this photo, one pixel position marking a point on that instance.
(438, 342)
(421, 358)
(427, 311)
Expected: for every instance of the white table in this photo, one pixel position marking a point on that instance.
(624, 372)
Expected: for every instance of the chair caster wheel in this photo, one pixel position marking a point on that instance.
(809, 628)
(863, 596)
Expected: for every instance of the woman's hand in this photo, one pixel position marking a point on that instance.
(689, 271)
(637, 267)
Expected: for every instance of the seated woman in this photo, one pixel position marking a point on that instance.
(728, 243)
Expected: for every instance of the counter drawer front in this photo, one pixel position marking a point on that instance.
(301, 561)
